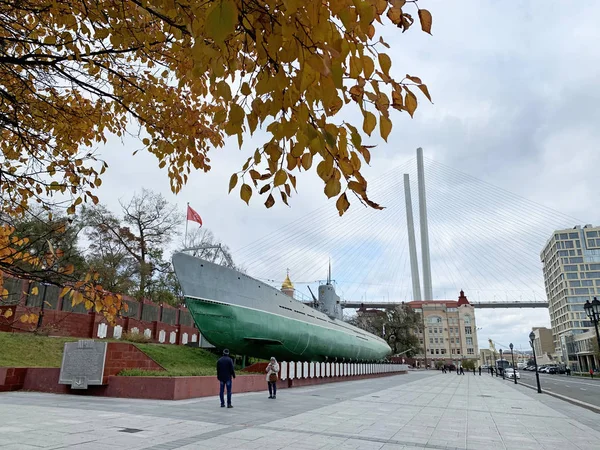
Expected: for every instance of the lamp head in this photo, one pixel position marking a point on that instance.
(588, 309)
(596, 307)
(511, 346)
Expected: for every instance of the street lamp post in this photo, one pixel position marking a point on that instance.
(513, 362)
(502, 364)
(495, 364)
(537, 375)
(593, 312)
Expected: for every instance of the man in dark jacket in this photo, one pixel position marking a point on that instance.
(225, 372)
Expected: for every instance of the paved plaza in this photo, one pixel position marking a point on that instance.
(421, 410)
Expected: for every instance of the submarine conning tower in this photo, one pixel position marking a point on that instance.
(329, 301)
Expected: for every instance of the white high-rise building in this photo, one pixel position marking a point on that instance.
(571, 260)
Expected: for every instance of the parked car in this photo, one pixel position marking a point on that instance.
(552, 370)
(510, 374)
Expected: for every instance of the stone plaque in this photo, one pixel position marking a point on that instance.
(83, 364)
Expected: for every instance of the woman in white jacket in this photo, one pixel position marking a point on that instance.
(272, 376)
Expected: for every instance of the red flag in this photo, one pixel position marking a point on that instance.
(193, 216)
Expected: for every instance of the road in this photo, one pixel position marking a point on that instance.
(583, 389)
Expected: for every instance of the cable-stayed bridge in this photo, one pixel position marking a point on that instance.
(482, 239)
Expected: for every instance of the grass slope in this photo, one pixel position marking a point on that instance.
(29, 350)
(178, 360)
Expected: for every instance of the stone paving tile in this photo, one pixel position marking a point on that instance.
(426, 410)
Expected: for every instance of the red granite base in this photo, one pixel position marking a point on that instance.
(156, 388)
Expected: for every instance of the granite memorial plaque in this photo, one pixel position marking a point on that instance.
(83, 364)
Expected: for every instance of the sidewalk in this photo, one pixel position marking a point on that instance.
(421, 410)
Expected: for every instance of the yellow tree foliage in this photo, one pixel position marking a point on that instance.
(86, 291)
(189, 73)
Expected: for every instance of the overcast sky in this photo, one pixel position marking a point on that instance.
(515, 95)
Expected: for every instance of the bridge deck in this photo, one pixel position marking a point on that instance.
(377, 305)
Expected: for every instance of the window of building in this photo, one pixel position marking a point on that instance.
(437, 351)
(572, 276)
(469, 341)
(570, 268)
(591, 242)
(467, 330)
(443, 351)
(587, 283)
(563, 253)
(569, 244)
(434, 319)
(592, 274)
(436, 340)
(563, 236)
(431, 351)
(431, 340)
(577, 259)
(574, 283)
(572, 253)
(592, 234)
(452, 310)
(467, 319)
(430, 330)
(441, 340)
(573, 235)
(470, 351)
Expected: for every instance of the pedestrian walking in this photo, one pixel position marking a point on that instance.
(457, 371)
(462, 370)
(568, 371)
(492, 370)
(225, 373)
(473, 371)
(592, 373)
(479, 370)
(272, 376)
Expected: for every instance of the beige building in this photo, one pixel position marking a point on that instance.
(580, 351)
(450, 331)
(571, 265)
(544, 343)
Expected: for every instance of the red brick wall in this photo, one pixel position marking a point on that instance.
(11, 378)
(121, 356)
(257, 368)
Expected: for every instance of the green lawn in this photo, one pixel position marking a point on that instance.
(178, 360)
(29, 350)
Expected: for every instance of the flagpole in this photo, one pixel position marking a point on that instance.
(186, 225)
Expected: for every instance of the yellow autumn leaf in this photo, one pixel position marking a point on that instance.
(426, 20)
(221, 20)
(246, 89)
(385, 63)
(369, 122)
(236, 114)
(368, 66)
(280, 177)
(342, 204)
(270, 201)
(246, 193)
(325, 169)
(307, 161)
(332, 187)
(7, 314)
(233, 181)
(34, 291)
(385, 126)
(410, 102)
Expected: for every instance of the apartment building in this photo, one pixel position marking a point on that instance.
(571, 266)
(449, 331)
